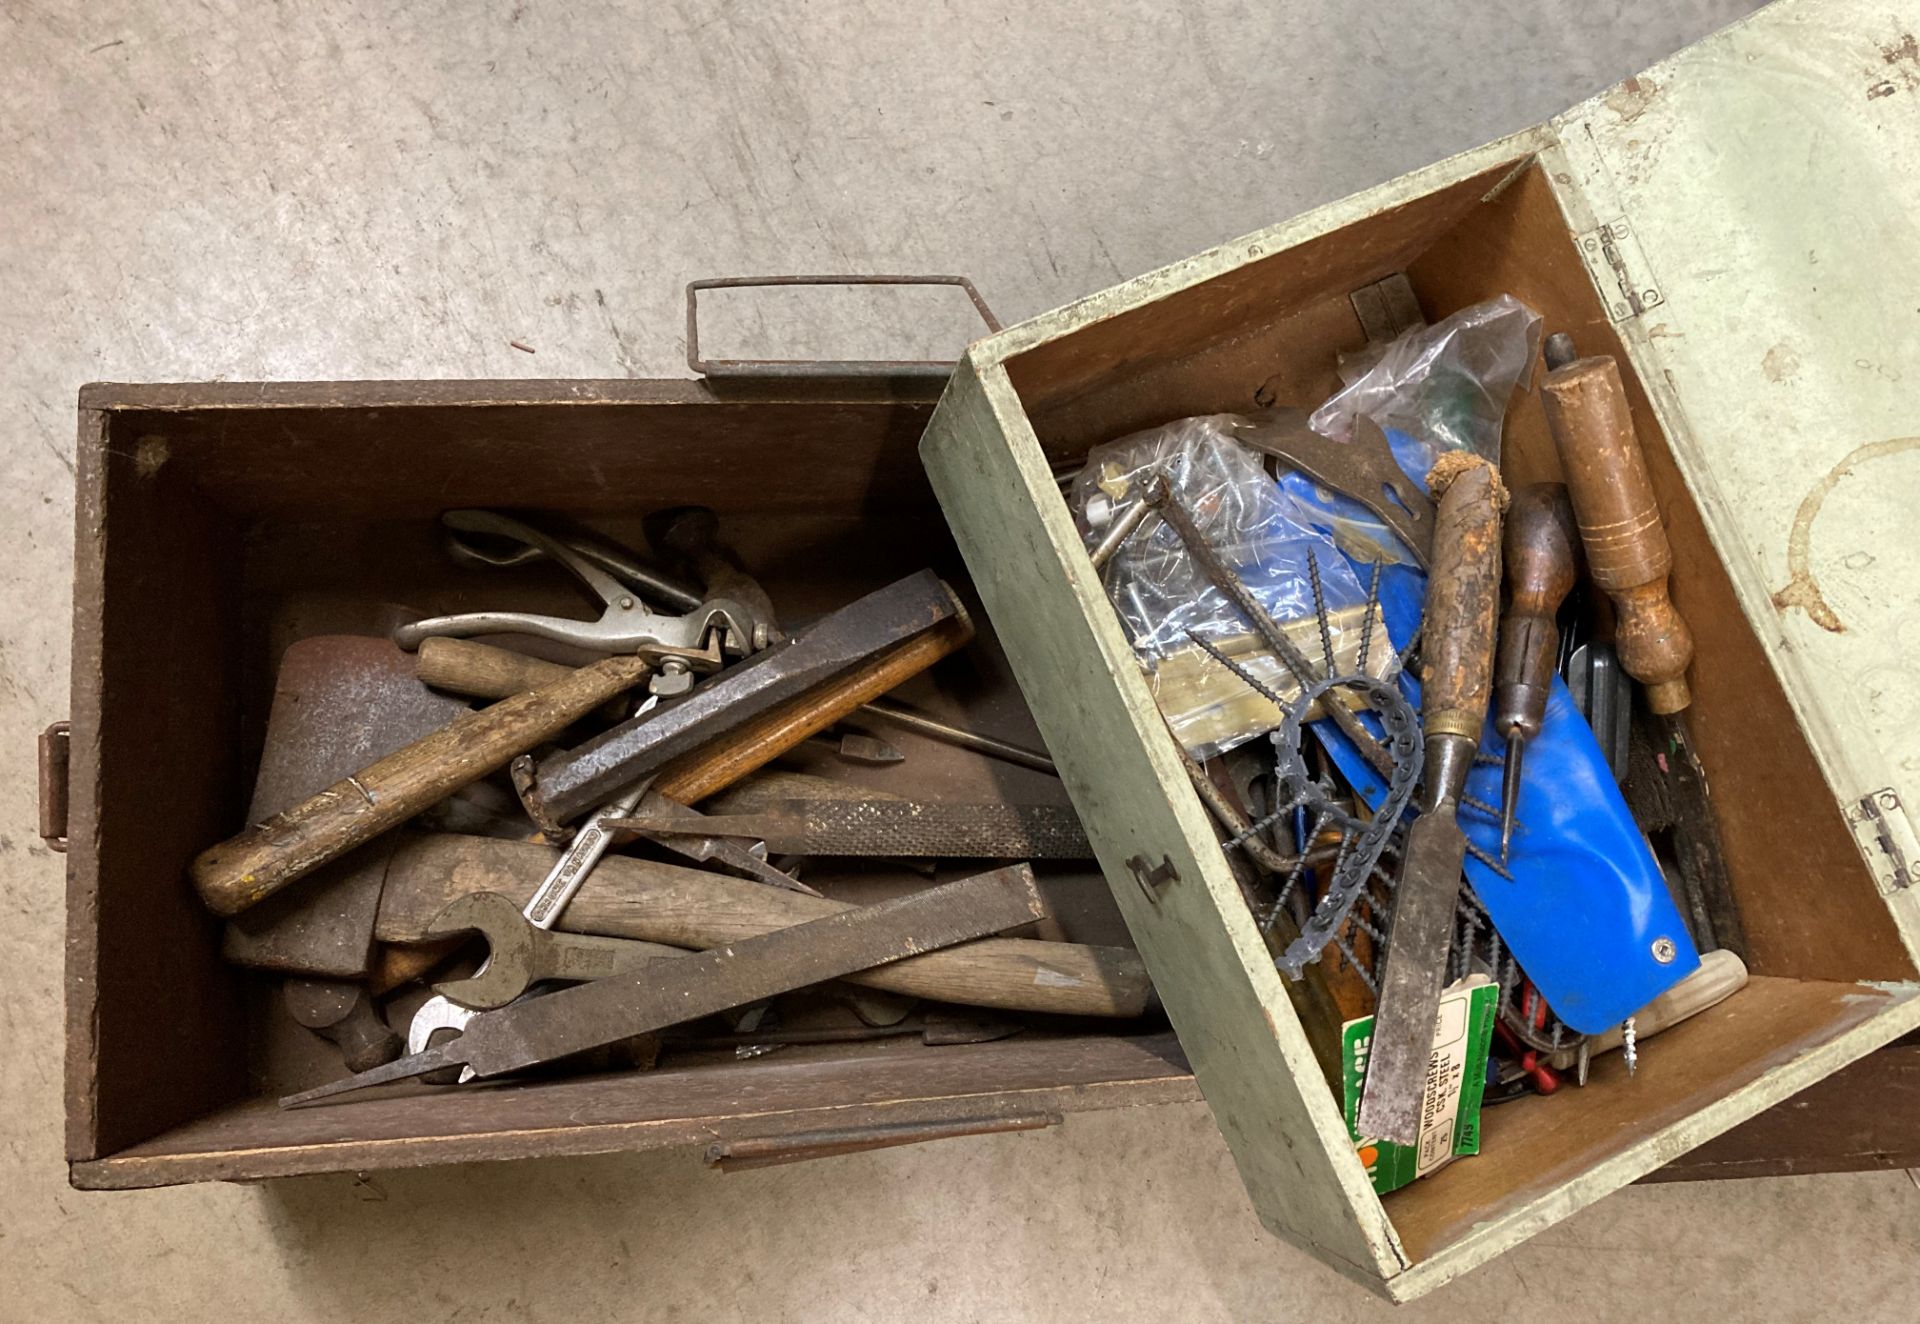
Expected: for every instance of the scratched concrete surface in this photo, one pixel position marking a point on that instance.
(222, 190)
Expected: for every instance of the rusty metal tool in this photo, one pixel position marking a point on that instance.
(521, 953)
(920, 724)
(1463, 601)
(1362, 468)
(343, 1013)
(543, 909)
(1541, 551)
(934, 1028)
(692, 533)
(254, 864)
(606, 1011)
(858, 747)
(624, 626)
(690, 836)
(339, 703)
(564, 784)
(897, 828)
(1629, 558)
(634, 898)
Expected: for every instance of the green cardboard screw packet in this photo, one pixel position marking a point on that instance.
(1456, 1079)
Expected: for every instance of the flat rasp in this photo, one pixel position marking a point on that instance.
(544, 1029)
(894, 828)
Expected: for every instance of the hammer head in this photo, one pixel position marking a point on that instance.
(510, 937)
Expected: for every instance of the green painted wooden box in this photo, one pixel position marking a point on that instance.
(1735, 225)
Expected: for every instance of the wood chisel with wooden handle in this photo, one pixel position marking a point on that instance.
(1629, 558)
(1463, 600)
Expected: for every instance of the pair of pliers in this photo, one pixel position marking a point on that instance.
(625, 624)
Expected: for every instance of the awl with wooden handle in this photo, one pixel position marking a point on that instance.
(1540, 551)
(1463, 601)
(1629, 558)
(258, 862)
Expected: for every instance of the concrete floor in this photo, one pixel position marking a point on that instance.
(214, 189)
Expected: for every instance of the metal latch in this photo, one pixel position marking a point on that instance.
(1886, 837)
(1619, 270)
(54, 744)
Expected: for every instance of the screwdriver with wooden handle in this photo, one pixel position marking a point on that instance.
(1540, 553)
(1629, 558)
(1463, 602)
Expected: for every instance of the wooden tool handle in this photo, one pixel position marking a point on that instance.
(1627, 550)
(258, 862)
(630, 898)
(1539, 551)
(720, 764)
(1463, 597)
(482, 671)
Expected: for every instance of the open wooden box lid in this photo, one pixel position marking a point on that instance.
(1747, 209)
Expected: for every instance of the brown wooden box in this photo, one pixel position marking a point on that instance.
(217, 523)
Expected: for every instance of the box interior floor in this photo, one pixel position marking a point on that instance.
(1269, 332)
(236, 530)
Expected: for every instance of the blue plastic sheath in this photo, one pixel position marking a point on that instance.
(1586, 903)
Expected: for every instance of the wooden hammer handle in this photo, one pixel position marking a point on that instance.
(258, 862)
(720, 764)
(482, 671)
(1628, 554)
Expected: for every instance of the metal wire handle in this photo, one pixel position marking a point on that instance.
(820, 368)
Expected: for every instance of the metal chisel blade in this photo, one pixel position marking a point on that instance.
(1415, 971)
(895, 828)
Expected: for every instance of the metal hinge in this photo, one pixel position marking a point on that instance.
(1619, 270)
(1886, 838)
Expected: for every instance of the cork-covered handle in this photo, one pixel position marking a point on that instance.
(1463, 597)
(1627, 550)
